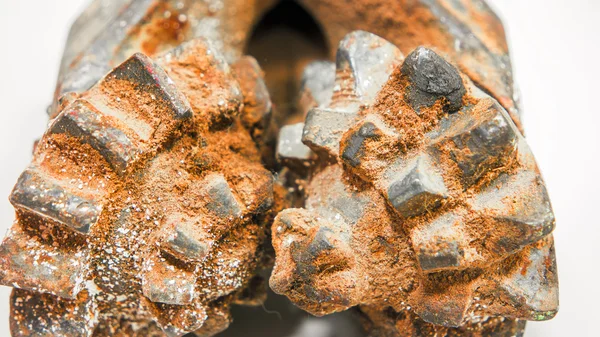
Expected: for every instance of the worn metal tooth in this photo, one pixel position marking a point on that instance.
(370, 60)
(167, 281)
(290, 149)
(338, 204)
(186, 238)
(318, 80)
(486, 144)
(75, 208)
(353, 149)
(441, 243)
(324, 129)
(532, 285)
(218, 319)
(83, 121)
(418, 188)
(44, 315)
(318, 250)
(253, 189)
(178, 320)
(148, 77)
(28, 262)
(257, 100)
(221, 199)
(446, 306)
(93, 40)
(370, 129)
(519, 202)
(431, 79)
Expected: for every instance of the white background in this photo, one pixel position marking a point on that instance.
(555, 47)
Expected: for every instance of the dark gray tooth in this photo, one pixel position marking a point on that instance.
(353, 149)
(318, 80)
(221, 198)
(324, 129)
(432, 78)
(521, 201)
(43, 315)
(149, 77)
(534, 287)
(81, 120)
(416, 189)
(290, 147)
(485, 145)
(94, 41)
(370, 59)
(164, 282)
(186, 239)
(30, 263)
(56, 200)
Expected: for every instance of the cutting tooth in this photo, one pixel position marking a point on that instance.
(30, 262)
(113, 140)
(44, 315)
(167, 280)
(432, 78)
(316, 88)
(520, 208)
(57, 200)
(324, 129)
(187, 239)
(364, 62)
(178, 320)
(446, 306)
(290, 149)
(417, 189)
(220, 198)
(483, 139)
(532, 284)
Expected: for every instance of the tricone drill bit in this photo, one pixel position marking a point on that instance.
(154, 200)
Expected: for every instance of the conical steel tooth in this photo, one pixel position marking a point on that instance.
(253, 188)
(165, 280)
(417, 189)
(90, 48)
(364, 61)
(220, 198)
(324, 128)
(290, 149)
(190, 65)
(178, 320)
(339, 204)
(318, 249)
(432, 78)
(443, 244)
(188, 239)
(83, 121)
(150, 79)
(43, 315)
(363, 64)
(487, 141)
(41, 194)
(532, 285)
(257, 100)
(521, 203)
(318, 81)
(218, 319)
(386, 322)
(27, 261)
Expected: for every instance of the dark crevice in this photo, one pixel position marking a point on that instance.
(284, 41)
